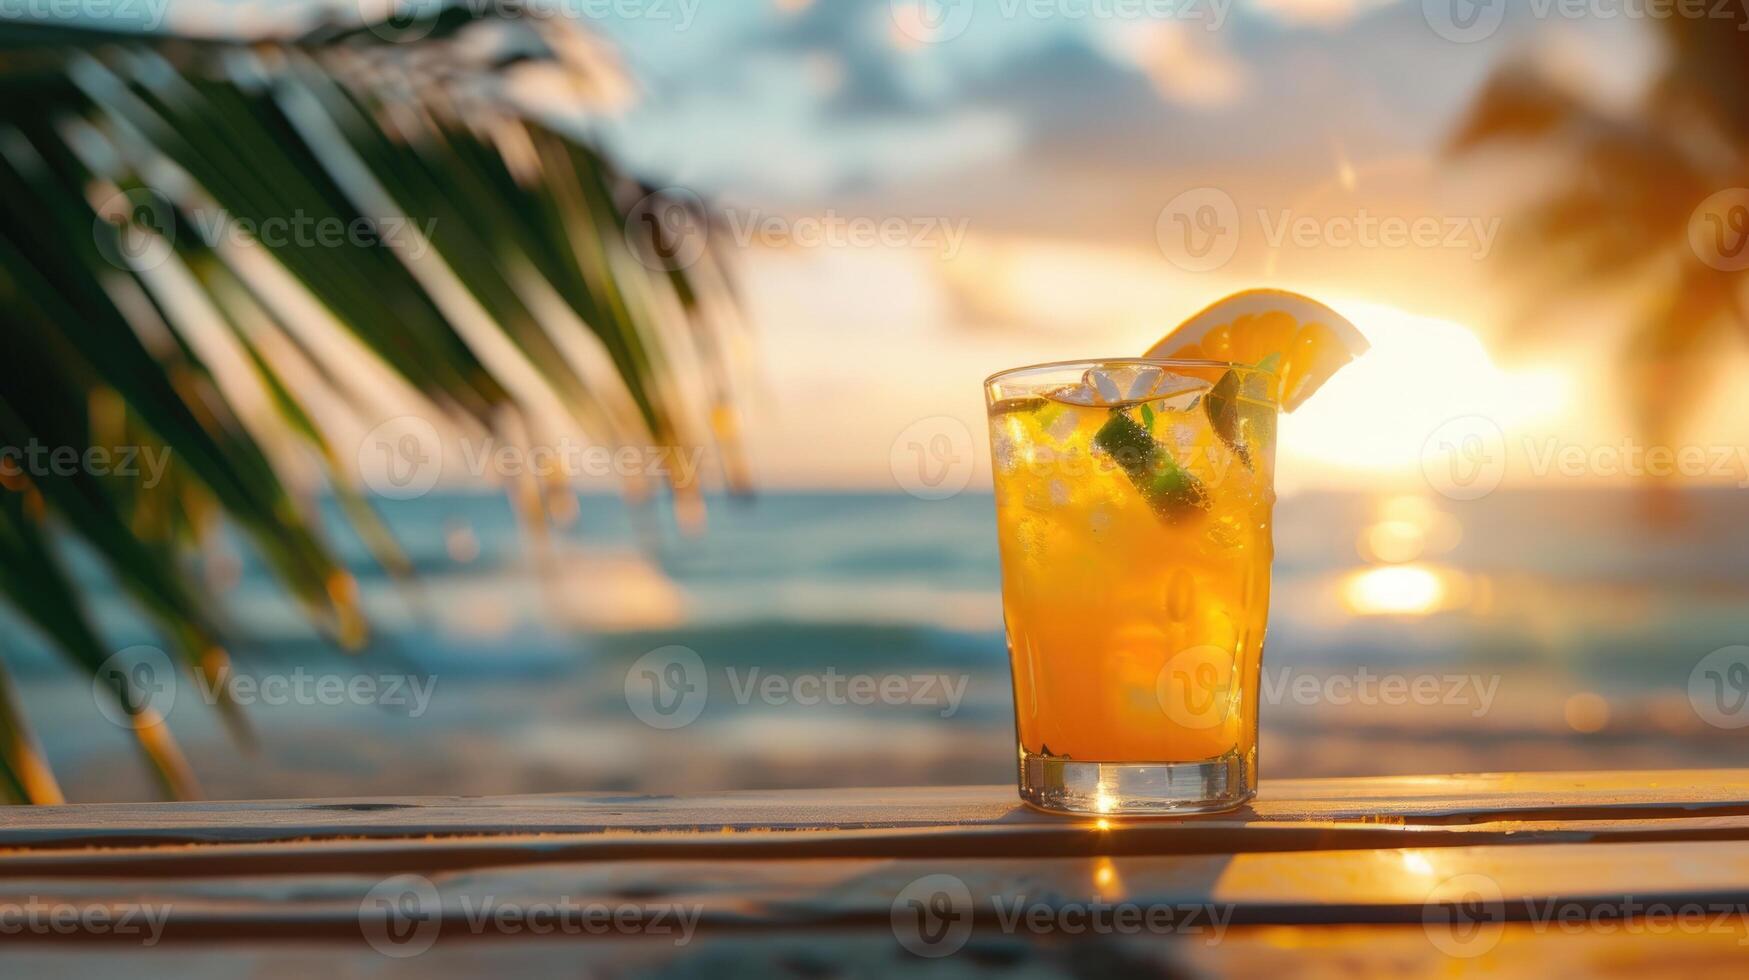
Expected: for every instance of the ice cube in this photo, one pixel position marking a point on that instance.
(1144, 380)
(1123, 383)
(1005, 447)
(1106, 384)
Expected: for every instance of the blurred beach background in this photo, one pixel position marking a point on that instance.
(1562, 636)
(1043, 172)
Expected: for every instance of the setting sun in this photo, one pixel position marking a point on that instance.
(1376, 415)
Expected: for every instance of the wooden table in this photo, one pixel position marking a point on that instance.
(1537, 874)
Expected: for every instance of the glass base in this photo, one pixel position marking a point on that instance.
(1137, 788)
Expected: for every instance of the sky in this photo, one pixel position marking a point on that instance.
(915, 194)
(1042, 158)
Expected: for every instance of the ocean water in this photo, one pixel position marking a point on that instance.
(818, 639)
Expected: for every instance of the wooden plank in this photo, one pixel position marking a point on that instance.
(1419, 801)
(1513, 884)
(820, 873)
(454, 852)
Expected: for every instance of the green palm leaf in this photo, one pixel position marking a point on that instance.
(486, 269)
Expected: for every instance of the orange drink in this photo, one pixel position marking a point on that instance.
(1133, 508)
(1133, 503)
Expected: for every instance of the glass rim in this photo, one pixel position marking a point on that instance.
(1162, 362)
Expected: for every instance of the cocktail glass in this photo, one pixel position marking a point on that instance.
(1133, 505)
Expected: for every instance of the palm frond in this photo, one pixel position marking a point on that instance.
(487, 271)
(1624, 189)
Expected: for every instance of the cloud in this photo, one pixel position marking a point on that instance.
(1187, 64)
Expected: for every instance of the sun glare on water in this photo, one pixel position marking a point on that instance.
(1376, 414)
(1402, 590)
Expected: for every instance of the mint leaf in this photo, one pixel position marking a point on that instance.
(1171, 490)
(1147, 418)
(1222, 407)
(1270, 363)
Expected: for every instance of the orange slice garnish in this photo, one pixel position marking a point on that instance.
(1303, 341)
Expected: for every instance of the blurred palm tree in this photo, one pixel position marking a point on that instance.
(490, 271)
(1647, 206)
